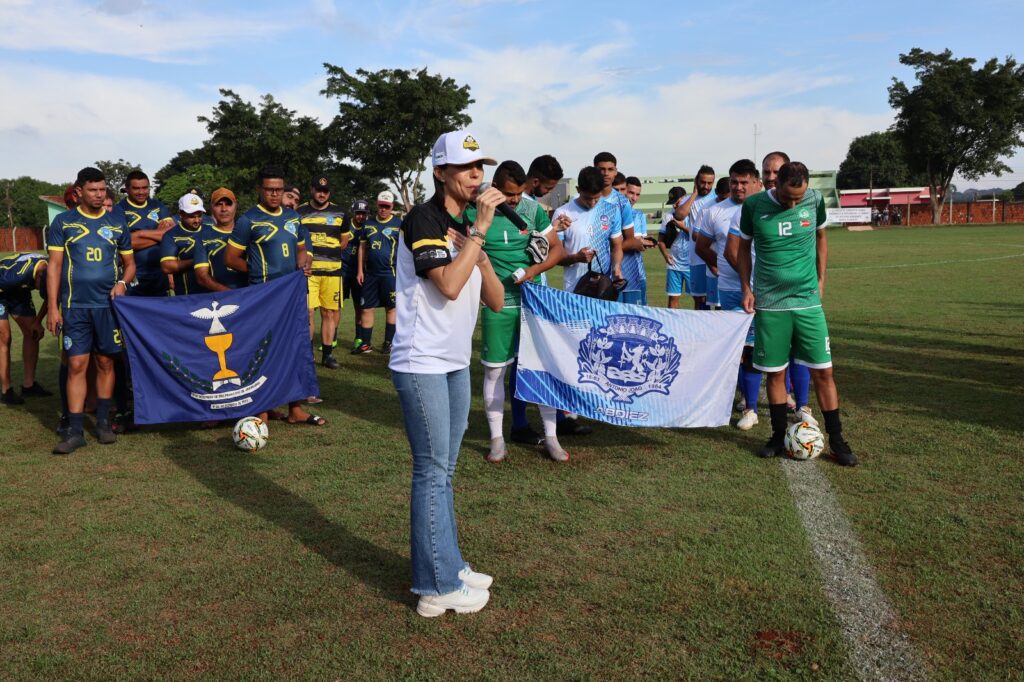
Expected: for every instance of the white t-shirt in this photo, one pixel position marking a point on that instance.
(693, 223)
(715, 223)
(433, 335)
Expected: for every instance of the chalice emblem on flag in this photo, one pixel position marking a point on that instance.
(219, 340)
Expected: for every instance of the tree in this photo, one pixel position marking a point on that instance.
(958, 119)
(203, 177)
(1018, 192)
(116, 173)
(388, 120)
(25, 206)
(877, 160)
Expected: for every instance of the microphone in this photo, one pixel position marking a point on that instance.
(510, 213)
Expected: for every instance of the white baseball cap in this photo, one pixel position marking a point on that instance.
(458, 147)
(191, 203)
(385, 197)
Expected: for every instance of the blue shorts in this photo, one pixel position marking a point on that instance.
(674, 282)
(86, 330)
(712, 290)
(377, 291)
(635, 297)
(733, 300)
(698, 279)
(17, 304)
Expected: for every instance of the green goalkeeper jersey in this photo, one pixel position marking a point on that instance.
(786, 271)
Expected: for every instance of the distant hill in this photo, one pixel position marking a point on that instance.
(979, 194)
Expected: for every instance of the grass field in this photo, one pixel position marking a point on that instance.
(658, 553)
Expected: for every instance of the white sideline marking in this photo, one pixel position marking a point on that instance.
(934, 262)
(881, 651)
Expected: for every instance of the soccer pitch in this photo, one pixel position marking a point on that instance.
(660, 553)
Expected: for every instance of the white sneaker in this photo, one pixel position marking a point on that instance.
(747, 421)
(480, 581)
(498, 450)
(467, 600)
(804, 414)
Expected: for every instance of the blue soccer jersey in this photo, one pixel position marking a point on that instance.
(270, 240)
(90, 245)
(692, 223)
(147, 260)
(633, 261)
(381, 241)
(18, 271)
(179, 243)
(593, 228)
(209, 253)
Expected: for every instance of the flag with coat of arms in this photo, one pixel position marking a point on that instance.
(626, 364)
(221, 355)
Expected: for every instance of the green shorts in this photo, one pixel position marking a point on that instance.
(800, 333)
(500, 336)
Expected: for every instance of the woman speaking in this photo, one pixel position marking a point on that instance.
(439, 290)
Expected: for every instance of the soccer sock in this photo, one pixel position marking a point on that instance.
(801, 376)
(366, 334)
(359, 339)
(779, 421)
(549, 416)
(750, 383)
(389, 332)
(833, 426)
(62, 381)
(494, 399)
(518, 406)
(327, 350)
(102, 412)
(76, 421)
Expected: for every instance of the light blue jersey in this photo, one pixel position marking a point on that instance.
(593, 228)
(633, 261)
(715, 224)
(692, 223)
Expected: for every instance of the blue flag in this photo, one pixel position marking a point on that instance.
(628, 364)
(222, 355)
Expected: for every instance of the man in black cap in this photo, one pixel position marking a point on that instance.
(329, 233)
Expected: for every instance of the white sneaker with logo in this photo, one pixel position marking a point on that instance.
(804, 414)
(747, 421)
(480, 581)
(466, 600)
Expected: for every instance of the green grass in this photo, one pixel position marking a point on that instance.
(664, 553)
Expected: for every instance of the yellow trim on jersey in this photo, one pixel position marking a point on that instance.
(134, 205)
(200, 265)
(168, 258)
(227, 231)
(54, 248)
(125, 252)
(90, 215)
(236, 245)
(429, 242)
(280, 210)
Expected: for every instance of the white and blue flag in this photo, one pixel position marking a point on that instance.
(627, 364)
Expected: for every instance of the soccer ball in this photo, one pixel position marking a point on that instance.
(804, 440)
(250, 434)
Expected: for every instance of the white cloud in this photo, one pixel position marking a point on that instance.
(115, 27)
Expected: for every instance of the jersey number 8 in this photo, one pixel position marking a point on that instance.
(284, 250)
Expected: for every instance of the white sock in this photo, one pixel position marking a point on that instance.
(494, 398)
(548, 416)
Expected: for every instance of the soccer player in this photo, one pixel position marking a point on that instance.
(722, 189)
(608, 166)
(212, 273)
(177, 248)
(673, 243)
(81, 279)
(595, 231)
(376, 267)
(703, 289)
(148, 219)
(541, 178)
(20, 273)
(328, 231)
(633, 261)
(786, 226)
(350, 275)
(713, 234)
(268, 242)
(505, 246)
(292, 198)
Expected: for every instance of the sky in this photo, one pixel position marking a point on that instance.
(665, 86)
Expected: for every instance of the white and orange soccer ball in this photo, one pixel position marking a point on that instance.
(804, 440)
(250, 434)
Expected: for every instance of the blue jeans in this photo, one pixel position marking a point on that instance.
(435, 408)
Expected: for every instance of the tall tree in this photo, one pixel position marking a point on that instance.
(116, 172)
(25, 207)
(387, 120)
(877, 160)
(1018, 192)
(201, 176)
(958, 119)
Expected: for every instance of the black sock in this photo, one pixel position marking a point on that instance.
(62, 381)
(76, 421)
(833, 426)
(779, 421)
(389, 332)
(102, 412)
(358, 328)
(327, 350)
(366, 334)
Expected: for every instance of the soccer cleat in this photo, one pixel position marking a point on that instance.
(105, 435)
(362, 350)
(386, 348)
(526, 436)
(773, 448)
(498, 451)
(572, 427)
(747, 420)
(803, 414)
(330, 362)
(69, 444)
(9, 397)
(480, 581)
(465, 600)
(35, 391)
(555, 450)
(124, 422)
(841, 452)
